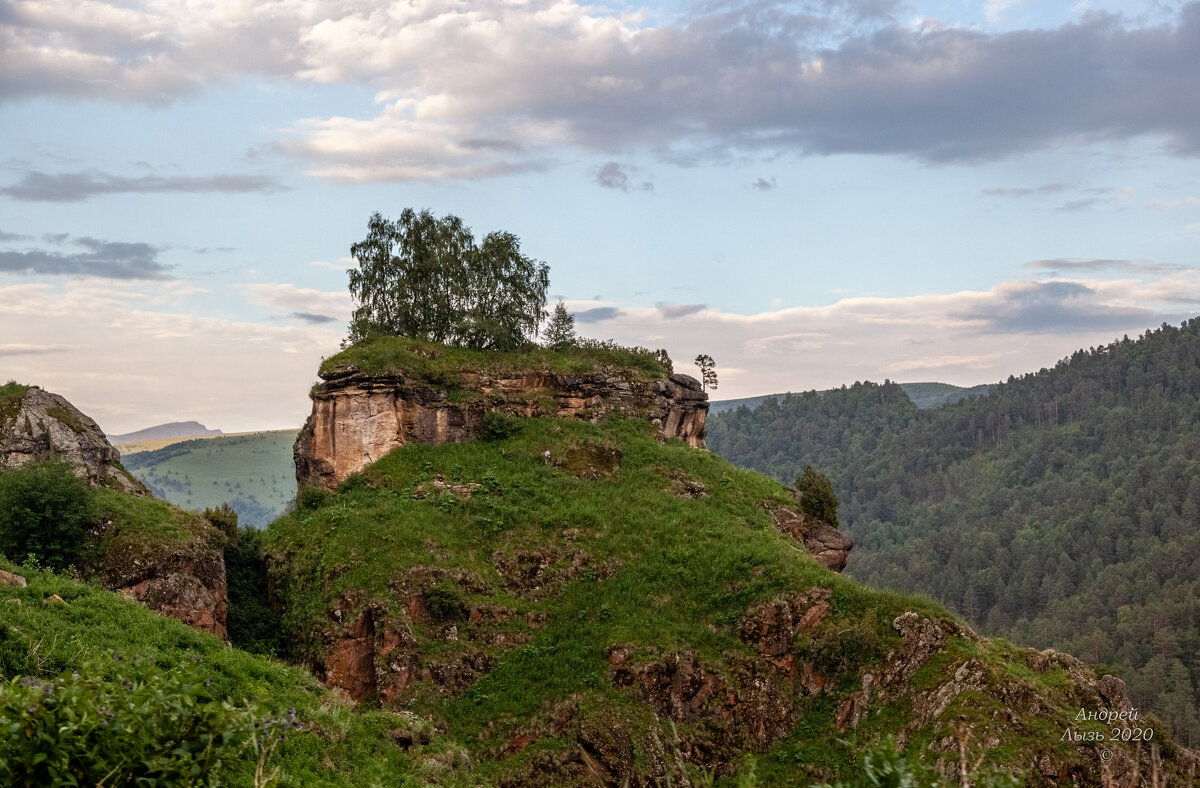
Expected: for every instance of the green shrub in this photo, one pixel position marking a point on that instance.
(225, 519)
(123, 723)
(44, 512)
(885, 767)
(311, 497)
(253, 626)
(445, 602)
(498, 427)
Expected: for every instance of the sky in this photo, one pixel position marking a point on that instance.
(811, 193)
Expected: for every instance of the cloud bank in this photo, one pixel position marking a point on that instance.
(491, 87)
(79, 186)
(106, 259)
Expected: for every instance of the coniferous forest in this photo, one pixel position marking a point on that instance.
(1061, 509)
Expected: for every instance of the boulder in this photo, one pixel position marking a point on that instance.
(39, 425)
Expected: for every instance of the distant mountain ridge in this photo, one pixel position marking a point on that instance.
(923, 395)
(175, 429)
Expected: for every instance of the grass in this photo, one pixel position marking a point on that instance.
(66, 417)
(11, 394)
(442, 365)
(254, 473)
(335, 746)
(659, 570)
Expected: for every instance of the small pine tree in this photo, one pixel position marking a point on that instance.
(560, 331)
(708, 371)
(816, 496)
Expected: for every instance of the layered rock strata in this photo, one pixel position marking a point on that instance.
(357, 419)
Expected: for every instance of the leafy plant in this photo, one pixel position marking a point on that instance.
(44, 511)
(122, 723)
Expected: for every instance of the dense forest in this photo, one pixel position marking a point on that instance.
(1061, 509)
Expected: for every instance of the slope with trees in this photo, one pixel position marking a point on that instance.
(1061, 509)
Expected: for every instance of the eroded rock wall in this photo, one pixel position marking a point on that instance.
(45, 425)
(356, 419)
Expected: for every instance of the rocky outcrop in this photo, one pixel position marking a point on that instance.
(184, 581)
(828, 545)
(357, 419)
(37, 425)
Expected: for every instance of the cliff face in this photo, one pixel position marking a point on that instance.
(357, 419)
(38, 425)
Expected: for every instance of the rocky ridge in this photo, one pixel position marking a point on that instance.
(358, 418)
(37, 425)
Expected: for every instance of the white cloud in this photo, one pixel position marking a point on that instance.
(965, 338)
(473, 90)
(129, 367)
(289, 298)
(130, 354)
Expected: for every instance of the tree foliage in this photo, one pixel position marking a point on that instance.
(708, 371)
(817, 498)
(560, 331)
(426, 277)
(44, 511)
(1058, 510)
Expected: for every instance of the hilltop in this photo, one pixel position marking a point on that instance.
(175, 429)
(1058, 510)
(576, 598)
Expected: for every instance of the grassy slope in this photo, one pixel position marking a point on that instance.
(254, 472)
(336, 746)
(661, 570)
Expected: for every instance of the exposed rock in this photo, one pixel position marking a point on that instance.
(181, 580)
(772, 626)
(829, 545)
(42, 425)
(687, 486)
(350, 664)
(460, 491)
(357, 419)
(55, 599)
(9, 579)
(588, 461)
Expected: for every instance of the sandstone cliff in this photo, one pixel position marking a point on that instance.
(36, 425)
(358, 418)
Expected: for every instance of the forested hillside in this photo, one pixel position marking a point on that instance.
(1061, 509)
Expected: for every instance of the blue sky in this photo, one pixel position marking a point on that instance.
(812, 193)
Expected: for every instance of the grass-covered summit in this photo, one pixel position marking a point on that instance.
(577, 603)
(443, 364)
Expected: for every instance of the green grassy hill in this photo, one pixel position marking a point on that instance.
(583, 604)
(253, 473)
(99, 635)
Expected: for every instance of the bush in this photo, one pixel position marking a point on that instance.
(253, 626)
(44, 512)
(225, 519)
(133, 726)
(498, 427)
